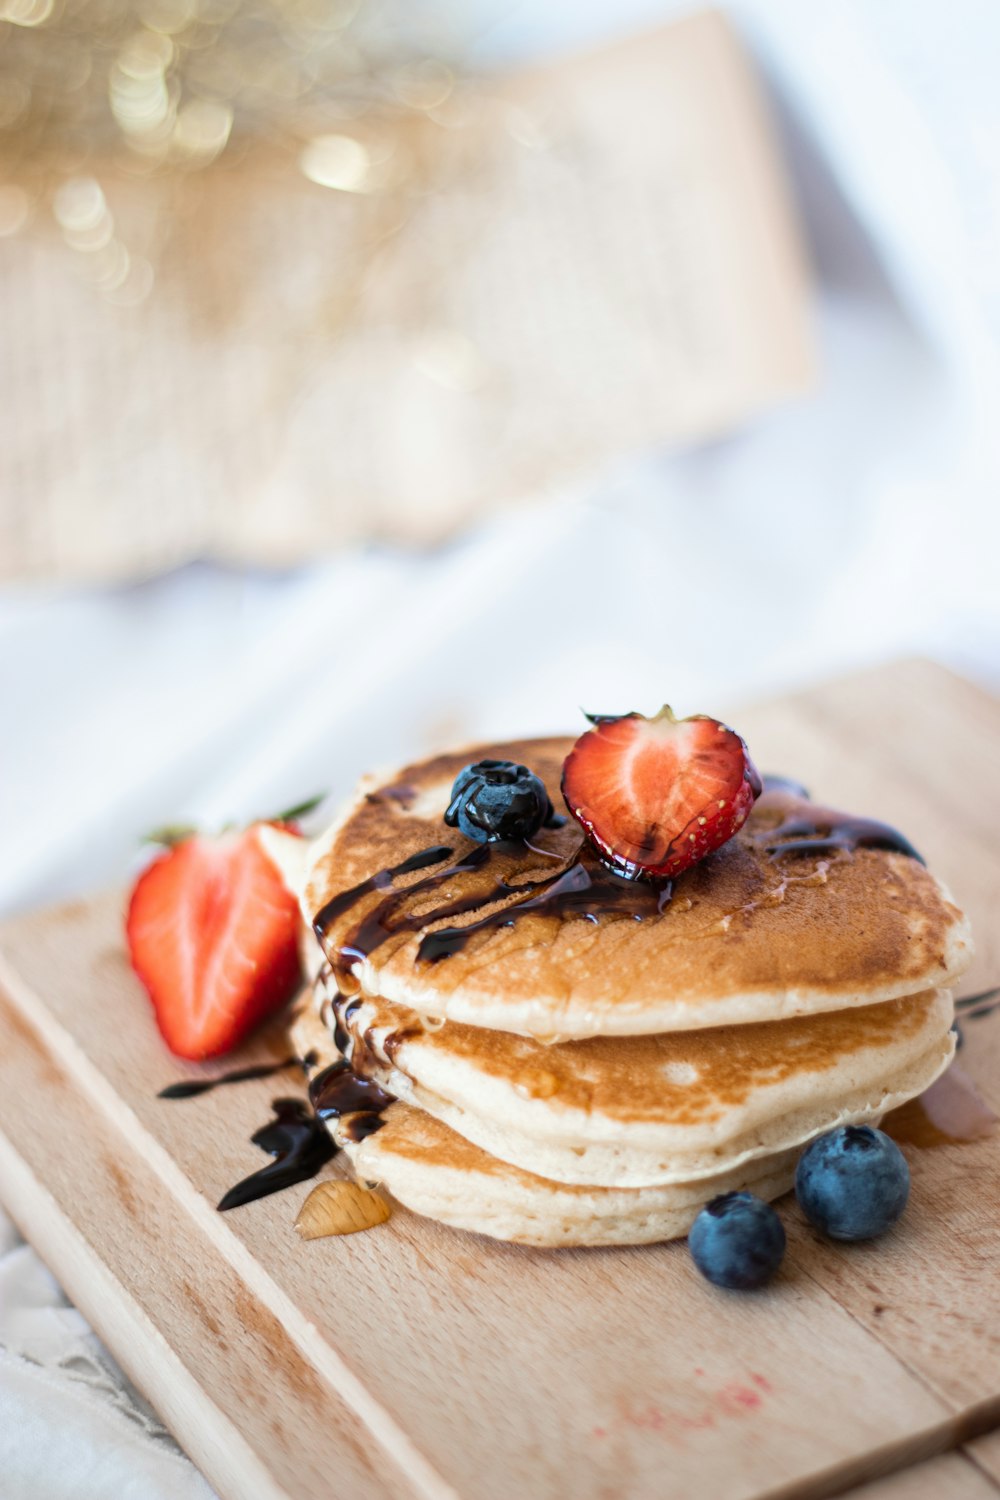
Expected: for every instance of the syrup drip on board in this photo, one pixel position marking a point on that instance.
(190, 1088)
(300, 1145)
(293, 1137)
(951, 1112)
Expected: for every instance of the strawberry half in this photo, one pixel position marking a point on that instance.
(655, 795)
(213, 935)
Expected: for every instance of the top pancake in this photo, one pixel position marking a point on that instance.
(750, 934)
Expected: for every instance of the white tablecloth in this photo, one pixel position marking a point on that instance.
(851, 526)
(70, 1424)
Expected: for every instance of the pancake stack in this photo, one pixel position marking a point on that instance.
(514, 1041)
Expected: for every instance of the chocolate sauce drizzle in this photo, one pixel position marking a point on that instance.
(300, 1145)
(342, 1013)
(402, 793)
(772, 783)
(584, 888)
(386, 919)
(828, 831)
(972, 1007)
(338, 1092)
(377, 882)
(190, 1088)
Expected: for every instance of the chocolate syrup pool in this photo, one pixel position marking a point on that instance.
(300, 1145)
(294, 1136)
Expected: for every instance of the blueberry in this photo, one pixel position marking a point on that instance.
(496, 799)
(853, 1182)
(737, 1241)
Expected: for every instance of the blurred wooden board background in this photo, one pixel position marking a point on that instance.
(413, 1360)
(550, 268)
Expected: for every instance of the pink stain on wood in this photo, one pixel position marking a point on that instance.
(737, 1398)
(652, 1419)
(696, 1423)
(740, 1397)
(648, 1418)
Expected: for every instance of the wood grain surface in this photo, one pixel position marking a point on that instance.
(952, 1476)
(415, 1360)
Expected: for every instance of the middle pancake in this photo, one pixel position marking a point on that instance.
(647, 1110)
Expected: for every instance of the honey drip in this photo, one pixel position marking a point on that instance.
(951, 1112)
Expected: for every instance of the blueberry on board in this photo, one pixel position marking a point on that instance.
(497, 799)
(853, 1182)
(737, 1241)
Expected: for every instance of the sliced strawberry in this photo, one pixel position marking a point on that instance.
(213, 935)
(655, 795)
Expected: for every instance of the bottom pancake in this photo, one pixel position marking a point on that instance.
(434, 1171)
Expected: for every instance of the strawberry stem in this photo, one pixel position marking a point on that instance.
(175, 833)
(300, 810)
(666, 712)
(170, 834)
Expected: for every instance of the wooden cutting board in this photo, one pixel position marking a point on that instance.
(417, 1361)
